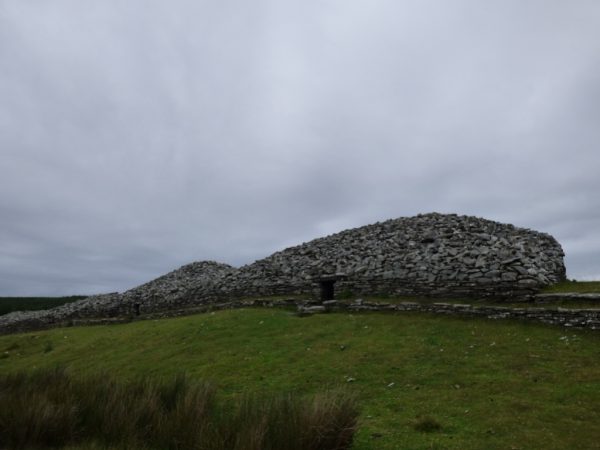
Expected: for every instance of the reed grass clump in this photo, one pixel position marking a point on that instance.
(55, 409)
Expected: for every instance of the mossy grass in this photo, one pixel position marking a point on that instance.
(581, 287)
(489, 384)
(427, 424)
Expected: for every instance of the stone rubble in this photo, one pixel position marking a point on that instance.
(430, 254)
(435, 255)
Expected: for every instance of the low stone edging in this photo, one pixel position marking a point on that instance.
(567, 317)
(566, 296)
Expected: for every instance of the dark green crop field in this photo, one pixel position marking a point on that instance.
(10, 304)
(421, 381)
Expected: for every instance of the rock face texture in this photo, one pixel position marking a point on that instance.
(443, 255)
(171, 290)
(164, 293)
(430, 254)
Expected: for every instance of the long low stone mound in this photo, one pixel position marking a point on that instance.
(436, 255)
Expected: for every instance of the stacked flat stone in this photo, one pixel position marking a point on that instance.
(169, 291)
(162, 294)
(430, 254)
(439, 255)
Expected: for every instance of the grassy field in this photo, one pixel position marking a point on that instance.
(422, 381)
(582, 287)
(10, 304)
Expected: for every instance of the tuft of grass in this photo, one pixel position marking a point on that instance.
(426, 424)
(52, 408)
(328, 421)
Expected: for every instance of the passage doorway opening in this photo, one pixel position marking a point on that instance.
(327, 289)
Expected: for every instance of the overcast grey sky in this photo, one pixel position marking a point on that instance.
(142, 135)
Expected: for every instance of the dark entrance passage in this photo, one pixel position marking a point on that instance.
(136, 309)
(327, 289)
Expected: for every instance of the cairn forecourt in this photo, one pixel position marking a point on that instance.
(437, 255)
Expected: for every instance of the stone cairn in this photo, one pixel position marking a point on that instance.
(430, 254)
(434, 255)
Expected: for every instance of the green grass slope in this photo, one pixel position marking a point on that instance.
(580, 287)
(422, 381)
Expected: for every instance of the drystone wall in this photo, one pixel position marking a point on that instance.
(567, 317)
(438, 255)
(170, 291)
(431, 254)
(106, 305)
(162, 294)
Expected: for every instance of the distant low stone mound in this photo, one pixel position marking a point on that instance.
(168, 291)
(161, 294)
(443, 255)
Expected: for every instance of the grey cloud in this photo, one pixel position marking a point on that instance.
(139, 136)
